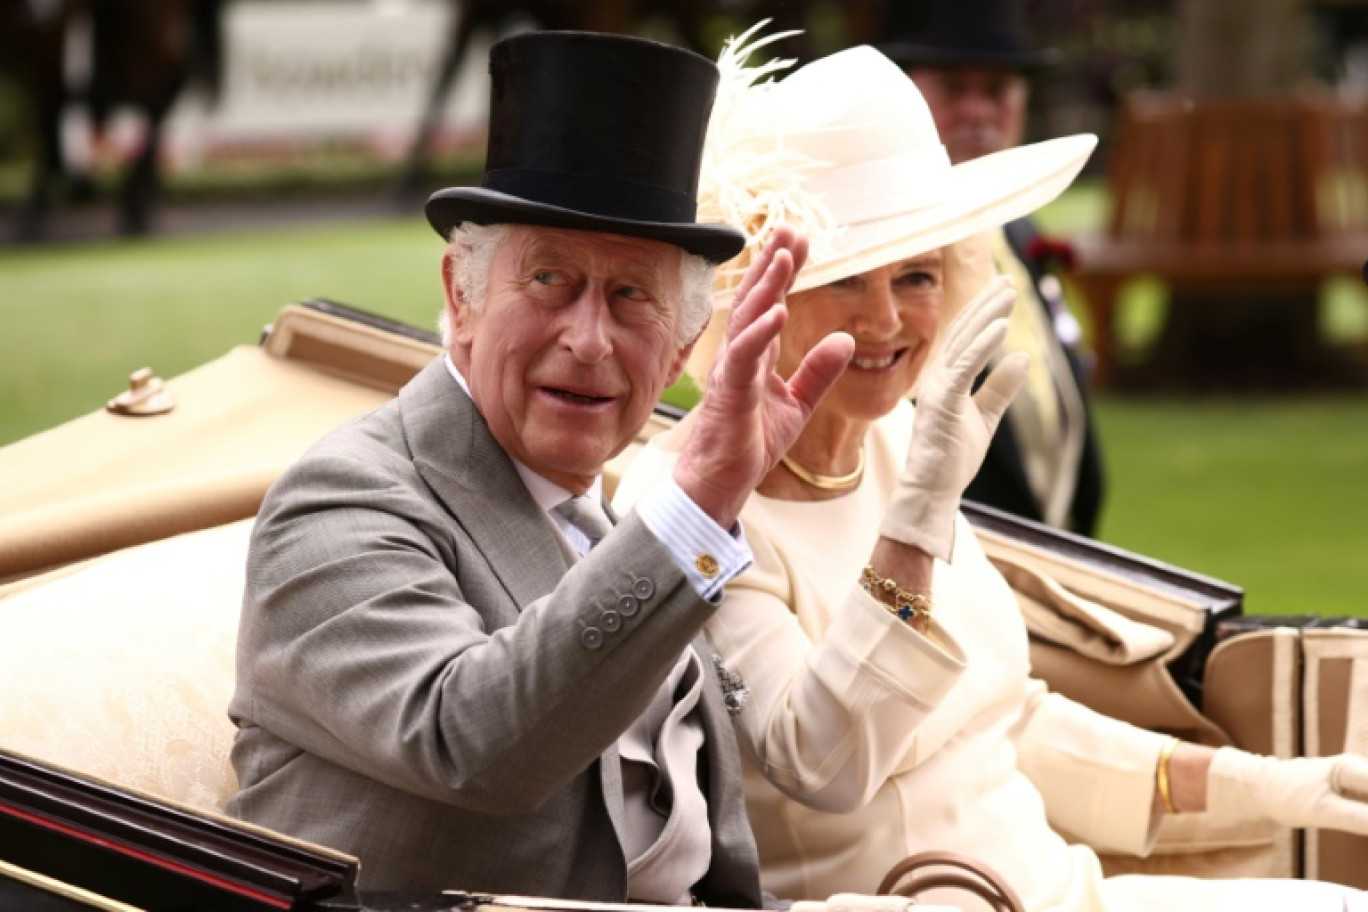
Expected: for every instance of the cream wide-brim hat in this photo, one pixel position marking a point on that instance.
(845, 149)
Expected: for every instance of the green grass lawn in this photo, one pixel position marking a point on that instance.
(80, 319)
(1267, 493)
(1270, 494)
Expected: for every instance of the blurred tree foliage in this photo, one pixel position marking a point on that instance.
(11, 118)
(1112, 47)
(1108, 48)
(1242, 48)
(1339, 50)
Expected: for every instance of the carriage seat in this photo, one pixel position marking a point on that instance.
(121, 668)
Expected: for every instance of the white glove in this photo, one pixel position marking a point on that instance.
(953, 428)
(1321, 792)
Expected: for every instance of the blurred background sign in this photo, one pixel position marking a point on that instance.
(309, 71)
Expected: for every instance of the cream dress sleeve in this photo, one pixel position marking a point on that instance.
(1095, 773)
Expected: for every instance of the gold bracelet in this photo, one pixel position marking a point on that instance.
(901, 603)
(1162, 776)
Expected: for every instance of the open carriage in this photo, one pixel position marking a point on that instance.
(122, 554)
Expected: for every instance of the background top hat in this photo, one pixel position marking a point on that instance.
(988, 33)
(595, 132)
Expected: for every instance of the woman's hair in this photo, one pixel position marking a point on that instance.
(967, 267)
(472, 249)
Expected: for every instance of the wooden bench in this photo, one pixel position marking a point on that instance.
(1229, 198)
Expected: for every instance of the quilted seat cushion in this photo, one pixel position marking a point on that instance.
(123, 669)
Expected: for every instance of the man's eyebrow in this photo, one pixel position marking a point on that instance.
(544, 251)
(649, 273)
(636, 268)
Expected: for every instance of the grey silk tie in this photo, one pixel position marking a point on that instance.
(585, 514)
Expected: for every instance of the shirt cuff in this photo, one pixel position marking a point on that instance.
(709, 555)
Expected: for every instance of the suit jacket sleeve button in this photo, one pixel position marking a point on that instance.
(643, 588)
(610, 621)
(592, 638)
(627, 605)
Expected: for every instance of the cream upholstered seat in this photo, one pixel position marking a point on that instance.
(121, 668)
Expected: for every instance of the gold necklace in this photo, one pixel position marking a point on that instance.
(826, 482)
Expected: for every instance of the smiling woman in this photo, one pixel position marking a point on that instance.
(892, 312)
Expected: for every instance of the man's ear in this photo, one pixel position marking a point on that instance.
(704, 348)
(459, 314)
(681, 359)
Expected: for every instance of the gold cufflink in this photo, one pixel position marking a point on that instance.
(706, 565)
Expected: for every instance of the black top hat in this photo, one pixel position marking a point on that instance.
(596, 132)
(987, 33)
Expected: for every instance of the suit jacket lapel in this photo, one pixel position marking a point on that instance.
(475, 480)
(610, 780)
(733, 878)
(717, 724)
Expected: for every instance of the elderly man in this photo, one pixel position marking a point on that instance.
(435, 672)
(971, 59)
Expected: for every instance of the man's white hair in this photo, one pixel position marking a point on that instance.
(472, 249)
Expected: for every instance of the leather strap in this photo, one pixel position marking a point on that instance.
(915, 875)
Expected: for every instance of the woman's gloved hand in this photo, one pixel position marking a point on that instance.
(1321, 792)
(952, 429)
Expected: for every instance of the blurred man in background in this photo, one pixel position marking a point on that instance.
(972, 61)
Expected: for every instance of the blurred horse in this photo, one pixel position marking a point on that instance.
(141, 55)
(690, 18)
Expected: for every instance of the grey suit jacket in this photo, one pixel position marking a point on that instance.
(415, 681)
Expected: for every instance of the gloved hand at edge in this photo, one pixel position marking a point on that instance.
(954, 426)
(1317, 792)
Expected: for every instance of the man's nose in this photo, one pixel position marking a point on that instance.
(979, 104)
(586, 334)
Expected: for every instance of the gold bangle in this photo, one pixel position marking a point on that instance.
(901, 603)
(1162, 776)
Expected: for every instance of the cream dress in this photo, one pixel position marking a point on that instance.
(893, 743)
